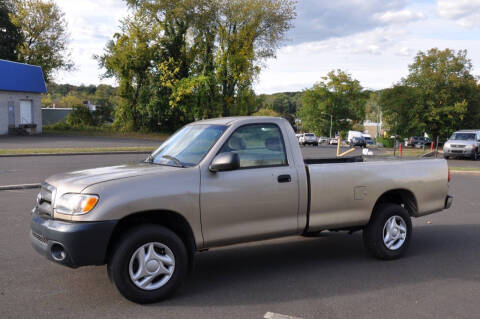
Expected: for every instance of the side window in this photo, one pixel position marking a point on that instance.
(258, 145)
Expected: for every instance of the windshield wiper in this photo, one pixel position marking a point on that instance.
(176, 160)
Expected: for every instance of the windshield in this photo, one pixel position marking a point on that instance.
(188, 146)
(463, 136)
(309, 135)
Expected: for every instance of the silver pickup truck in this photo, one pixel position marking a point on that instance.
(219, 182)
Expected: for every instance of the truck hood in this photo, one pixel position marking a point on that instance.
(77, 181)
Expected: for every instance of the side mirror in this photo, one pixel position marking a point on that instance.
(225, 162)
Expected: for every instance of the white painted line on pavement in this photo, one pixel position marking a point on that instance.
(272, 315)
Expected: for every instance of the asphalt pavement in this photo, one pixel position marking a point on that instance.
(63, 141)
(324, 277)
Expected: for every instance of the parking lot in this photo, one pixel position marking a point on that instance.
(325, 277)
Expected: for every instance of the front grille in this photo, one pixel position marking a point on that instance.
(458, 145)
(45, 200)
(457, 151)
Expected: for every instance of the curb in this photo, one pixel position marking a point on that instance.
(76, 153)
(20, 186)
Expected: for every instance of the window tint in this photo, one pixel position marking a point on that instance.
(257, 145)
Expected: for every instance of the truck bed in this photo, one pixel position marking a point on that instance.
(344, 195)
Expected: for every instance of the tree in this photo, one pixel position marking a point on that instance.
(10, 36)
(248, 32)
(177, 61)
(439, 95)
(44, 33)
(337, 97)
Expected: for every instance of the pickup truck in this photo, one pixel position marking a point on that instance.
(224, 181)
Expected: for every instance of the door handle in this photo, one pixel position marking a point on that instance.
(284, 179)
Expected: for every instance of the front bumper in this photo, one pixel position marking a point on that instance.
(71, 244)
(464, 152)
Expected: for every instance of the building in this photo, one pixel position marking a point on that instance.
(21, 86)
(373, 129)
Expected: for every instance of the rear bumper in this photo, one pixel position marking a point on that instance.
(71, 244)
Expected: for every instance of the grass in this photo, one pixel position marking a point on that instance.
(409, 152)
(103, 131)
(23, 151)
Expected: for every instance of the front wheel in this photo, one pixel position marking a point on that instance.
(148, 264)
(475, 155)
(388, 233)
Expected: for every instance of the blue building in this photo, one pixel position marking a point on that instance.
(21, 86)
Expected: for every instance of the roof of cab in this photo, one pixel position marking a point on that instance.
(230, 120)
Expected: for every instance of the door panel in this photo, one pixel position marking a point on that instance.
(26, 112)
(248, 204)
(260, 199)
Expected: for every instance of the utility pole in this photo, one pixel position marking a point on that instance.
(331, 121)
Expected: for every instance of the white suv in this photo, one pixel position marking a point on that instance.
(308, 139)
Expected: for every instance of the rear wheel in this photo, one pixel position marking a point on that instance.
(148, 264)
(388, 233)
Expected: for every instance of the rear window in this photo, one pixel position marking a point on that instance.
(309, 135)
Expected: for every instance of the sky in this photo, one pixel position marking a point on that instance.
(373, 40)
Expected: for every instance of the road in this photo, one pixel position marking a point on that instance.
(325, 277)
(62, 141)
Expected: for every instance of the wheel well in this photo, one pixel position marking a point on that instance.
(402, 197)
(172, 220)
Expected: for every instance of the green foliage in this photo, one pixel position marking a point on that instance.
(283, 103)
(80, 116)
(439, 96)
(44, 35)
(10, 36)
(337, 95)
(191, 59)
(386, 141)
(266, 112)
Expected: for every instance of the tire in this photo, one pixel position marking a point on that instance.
(374, 233)
(124, 263)
(445, 156)
(475, 155)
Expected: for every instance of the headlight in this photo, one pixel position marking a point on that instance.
(75, 204)
(470, 146)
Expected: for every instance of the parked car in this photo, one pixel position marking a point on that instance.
(417, 141)
(352, 134)
(368, 139)
(219, 182)
(464, 143)
(308, 139)
(323, 140)
(358, 141)
(333, 141)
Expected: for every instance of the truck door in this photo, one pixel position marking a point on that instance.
(258, 200)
